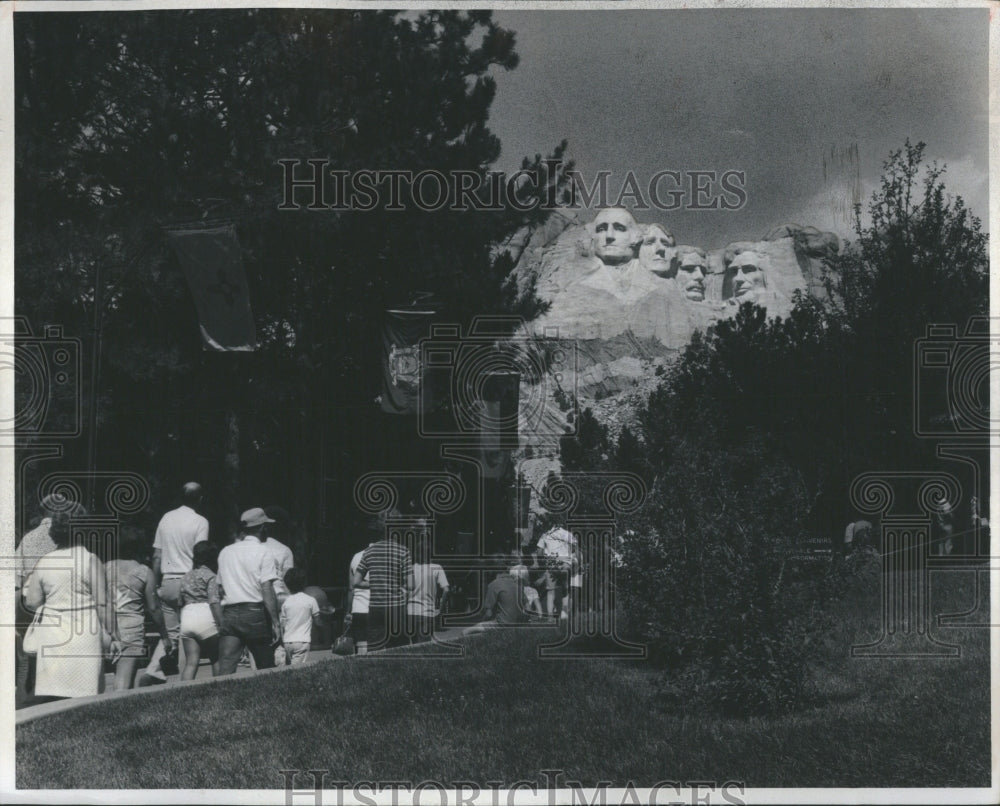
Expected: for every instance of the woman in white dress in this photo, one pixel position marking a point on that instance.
(68, 586)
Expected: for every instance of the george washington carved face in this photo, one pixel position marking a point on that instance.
(616, 236)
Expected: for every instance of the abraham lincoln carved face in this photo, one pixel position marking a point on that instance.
(744, 278)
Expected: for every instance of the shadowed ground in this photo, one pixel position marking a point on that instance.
(500, 713)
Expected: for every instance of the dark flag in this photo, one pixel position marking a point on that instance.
(498, 432)
(212, 264)
(403, 390)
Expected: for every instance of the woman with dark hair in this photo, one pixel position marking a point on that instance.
(68, 587)
(132, 588)
(201, 610)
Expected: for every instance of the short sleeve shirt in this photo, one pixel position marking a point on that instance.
(558, 543)
(176, 536)
(428, 578)
(126, 584)
(361, 595)
(283, 560)
(297, 613)
(388, 565)
(244, 567)
(200, 585)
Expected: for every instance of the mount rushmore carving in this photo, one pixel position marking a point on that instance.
(627, 298)
(615, 276)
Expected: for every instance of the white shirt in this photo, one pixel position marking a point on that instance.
(297, 613)
(175, 537)
(428, 578)
(283, 560)
(243, 568)
(362, 596)
(561, 543)
(558, 543)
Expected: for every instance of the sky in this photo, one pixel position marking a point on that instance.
(808, 102)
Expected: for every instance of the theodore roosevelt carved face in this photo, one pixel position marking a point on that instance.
(692, 268)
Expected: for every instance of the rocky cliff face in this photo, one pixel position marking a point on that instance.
(625, 299)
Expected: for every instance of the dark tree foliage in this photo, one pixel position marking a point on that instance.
(750, 444)
(128, 123)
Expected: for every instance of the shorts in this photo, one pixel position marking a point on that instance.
(132, 635)
(530, 594)
(197, 621)
(296, 653)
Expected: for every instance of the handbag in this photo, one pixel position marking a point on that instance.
(32, 636)
(345, 644)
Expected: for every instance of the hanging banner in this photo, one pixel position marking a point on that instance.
(402, 331)
(213, 266)
(498, 432)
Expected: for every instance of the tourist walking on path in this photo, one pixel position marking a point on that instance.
(429, 581)
(201, 611)
(389, 568)
(33, 546)
(178, 532)
(75, 618)
(131, 588)
(299, 612)
(249, 606)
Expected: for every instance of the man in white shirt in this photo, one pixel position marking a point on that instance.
(249, 606)
(173, 556)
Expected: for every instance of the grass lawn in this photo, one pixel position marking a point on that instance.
(500, 713)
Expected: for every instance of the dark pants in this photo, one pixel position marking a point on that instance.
(386, 626)
(359, 627)
(246, 625)
(420, 628)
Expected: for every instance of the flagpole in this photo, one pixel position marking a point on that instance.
(95, 375)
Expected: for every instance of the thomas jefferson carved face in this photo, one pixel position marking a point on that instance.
(615, 236)
(692, 266)
(745, 276)
(653, 250)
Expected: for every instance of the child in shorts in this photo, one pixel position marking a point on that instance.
(298, 614)
(201, 610)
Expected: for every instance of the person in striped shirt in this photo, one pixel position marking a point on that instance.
(389, 568)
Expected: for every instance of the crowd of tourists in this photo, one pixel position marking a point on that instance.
(244, 603)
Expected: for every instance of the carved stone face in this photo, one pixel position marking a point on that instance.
(692, 267)
(745, 276)
(615, 236)
(653, 250)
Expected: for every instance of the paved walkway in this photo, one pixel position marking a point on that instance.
(203, 677)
